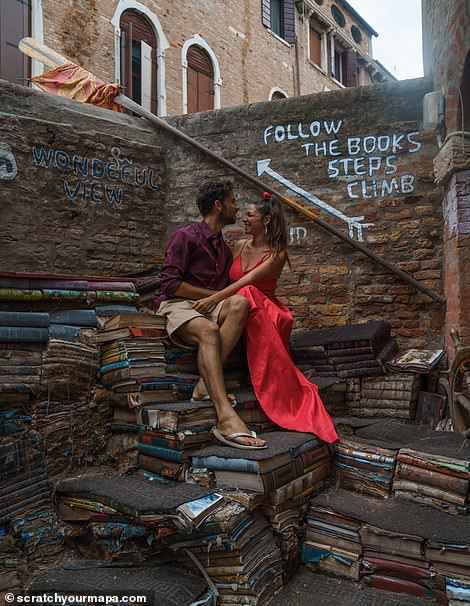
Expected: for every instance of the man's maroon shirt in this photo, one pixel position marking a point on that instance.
(194, 254)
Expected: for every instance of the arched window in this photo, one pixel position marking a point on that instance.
(200, 80)
(278, 95)
(15, 23)
(138, 59)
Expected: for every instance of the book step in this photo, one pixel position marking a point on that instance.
(329, 591)
(160, 585)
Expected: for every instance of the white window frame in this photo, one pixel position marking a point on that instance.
(37, 32)
(197, 40)
(162, 46)
(277, 89)
(323, 44)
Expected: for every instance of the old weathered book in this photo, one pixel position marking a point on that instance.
(416, 360)
(399, 585)
(140, 319)
(301, 484)
(397, 543)
(429, 477)
(429, 491)
(424, 463)
(258, 482)
(176, 416)
(152, 370)
(129, 332)
(169, 469)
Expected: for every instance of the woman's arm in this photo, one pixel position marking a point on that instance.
(270, 268)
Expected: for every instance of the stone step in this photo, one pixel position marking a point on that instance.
(309, 587)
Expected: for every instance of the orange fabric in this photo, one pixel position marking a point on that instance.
(74, 82)
(285, 394)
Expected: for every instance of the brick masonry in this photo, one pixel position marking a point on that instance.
(252, 60)
(372, 134)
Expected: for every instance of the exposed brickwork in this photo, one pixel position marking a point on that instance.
(446, 35)
(252, 60)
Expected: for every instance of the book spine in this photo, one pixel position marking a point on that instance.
(311, 457)
(74, 317)
(160, 442)
(410, 460)
(63, 332)
(114, 366)
(25, 319)
(161, 453)
(299, 484)
(462, 465)
(148, 332)
(344, 450)
(432, 478)
(24, 334)
(372, 466)
(213, 462)
(429, 491)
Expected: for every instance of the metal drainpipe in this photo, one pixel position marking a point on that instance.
(297, 67)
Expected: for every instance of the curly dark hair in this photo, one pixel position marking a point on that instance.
(211, 191)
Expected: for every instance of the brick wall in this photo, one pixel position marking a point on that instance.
(446, 38)
(50, 223)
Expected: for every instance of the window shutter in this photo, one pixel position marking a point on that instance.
(315, 46)
(15, 23)
(349, 59)
(289, 21)
(266, 12)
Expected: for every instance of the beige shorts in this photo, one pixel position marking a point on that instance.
(179, 311)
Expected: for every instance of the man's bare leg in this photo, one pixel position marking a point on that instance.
(231, 321)
(206, 335)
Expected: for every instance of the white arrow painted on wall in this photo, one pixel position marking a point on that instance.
(355, 226)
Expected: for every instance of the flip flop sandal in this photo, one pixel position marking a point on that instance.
(229, 440)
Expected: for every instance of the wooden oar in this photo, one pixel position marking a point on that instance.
(51, 59)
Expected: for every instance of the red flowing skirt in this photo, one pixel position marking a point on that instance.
(285, 394)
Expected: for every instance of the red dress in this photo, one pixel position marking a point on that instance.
(285, 394)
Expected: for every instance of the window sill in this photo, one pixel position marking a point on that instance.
(338, 82)
(316, 66)
(270, 31)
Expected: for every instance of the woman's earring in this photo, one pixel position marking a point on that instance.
(265, 229)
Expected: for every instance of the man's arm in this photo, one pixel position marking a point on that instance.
(177, 257)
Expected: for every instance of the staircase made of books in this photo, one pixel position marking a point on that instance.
(90, 500)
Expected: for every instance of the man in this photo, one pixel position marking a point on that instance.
(197, 262)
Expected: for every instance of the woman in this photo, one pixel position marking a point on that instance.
(285, 395)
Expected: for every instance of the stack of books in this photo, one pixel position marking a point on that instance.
(458, 591)
(433, 479)
(393, 540)
(332, 391)
(23, 327)
(393, 396)
(238, 553)
(39, 533)
(15, 416)
(450, 558)
(281, 479)
(12, 563)
(169, 432)
(293, 465)
(349, 351)
(434, 465)
(159, 585)
(332, 543)
(69, 370)
(48, 289)
(364, 467)
(132, 351)
(24, 485)
(179, 360)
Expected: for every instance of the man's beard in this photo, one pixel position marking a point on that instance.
(228, 219)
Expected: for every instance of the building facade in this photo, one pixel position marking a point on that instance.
(178, 57)
(446, 42)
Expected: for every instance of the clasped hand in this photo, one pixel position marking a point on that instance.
(204, 306)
